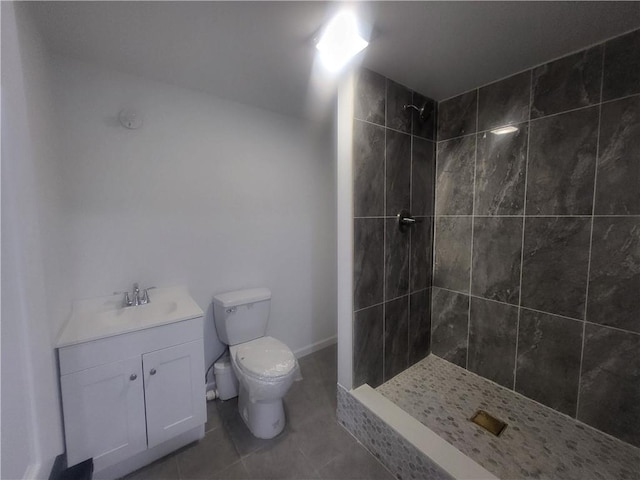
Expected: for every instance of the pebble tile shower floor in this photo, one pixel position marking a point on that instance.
(312, 446)
(538, 441)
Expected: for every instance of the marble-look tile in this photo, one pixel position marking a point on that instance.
(368, 170)
(449, 325)
(396, 258)
(492, 340)
(548, 364)
(497, 251)
(455, 164)
(396, 336)
(457, 115)
(611, 379)
(421, 254)
(554, 270)
(452, 253)
(368, 342)
(397, 97)
(424, 126)
(419, 325)
(614, 276)
(617, 191)
(562, 162)
(369, 103)
(622, 66)
(568, 83)
(423, 169)
(368, 258)
(505, 102)
(398, 175)
(500, 172)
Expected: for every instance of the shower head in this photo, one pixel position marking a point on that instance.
(421, 110)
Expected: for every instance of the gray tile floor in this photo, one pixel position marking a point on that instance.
(312, 445)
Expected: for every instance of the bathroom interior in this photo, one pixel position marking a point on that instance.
(422, 261)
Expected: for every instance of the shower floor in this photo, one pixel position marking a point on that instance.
(537, 443)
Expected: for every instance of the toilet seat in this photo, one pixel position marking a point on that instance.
(265, 359)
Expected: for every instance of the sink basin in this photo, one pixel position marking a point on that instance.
(138, 313)
(102, 317)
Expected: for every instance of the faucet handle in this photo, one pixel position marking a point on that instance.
(126, 302)
(145, 297)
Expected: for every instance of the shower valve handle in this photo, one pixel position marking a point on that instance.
(405, 220)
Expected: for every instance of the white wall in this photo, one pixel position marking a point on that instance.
(31, 423)
(209, 193)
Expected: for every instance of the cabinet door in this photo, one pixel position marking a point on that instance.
(104, 413)
(174, 390)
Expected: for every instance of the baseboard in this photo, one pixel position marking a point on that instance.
(314, 347)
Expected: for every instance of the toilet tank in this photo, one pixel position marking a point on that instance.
(242, 315)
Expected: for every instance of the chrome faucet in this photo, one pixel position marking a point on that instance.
(136, 294)
(134, 300)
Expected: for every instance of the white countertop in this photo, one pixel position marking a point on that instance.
(103, 317)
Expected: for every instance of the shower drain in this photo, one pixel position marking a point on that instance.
(488, 422)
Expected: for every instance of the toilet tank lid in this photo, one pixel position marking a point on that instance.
(241, 297)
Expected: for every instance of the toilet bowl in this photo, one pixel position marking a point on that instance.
(265, 367)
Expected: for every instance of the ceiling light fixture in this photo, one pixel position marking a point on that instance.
(340, 41)
(503, 130)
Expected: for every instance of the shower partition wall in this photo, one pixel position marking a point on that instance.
(393, 171)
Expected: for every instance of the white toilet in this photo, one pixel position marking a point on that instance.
(265, 367)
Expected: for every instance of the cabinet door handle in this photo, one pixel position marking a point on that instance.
(152, 371)
(133, 377)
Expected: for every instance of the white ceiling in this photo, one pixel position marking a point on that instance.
(262, 53)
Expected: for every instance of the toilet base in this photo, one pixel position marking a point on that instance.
(265, 419)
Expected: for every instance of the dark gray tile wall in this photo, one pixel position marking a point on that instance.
(454, 176)
(601, 385)
(504, 103)
(368, 332)
(492, 340)
(452, 253)
(569, 83)
(394, 170)
(618, 173)
(548, 360)
(562, 163)
(536, 281)
(497, 249)
(458, 116)
(500, 173)
(449, 325)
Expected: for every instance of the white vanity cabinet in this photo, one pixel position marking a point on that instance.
(128, 399)
(104, 412)
(174, 391)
